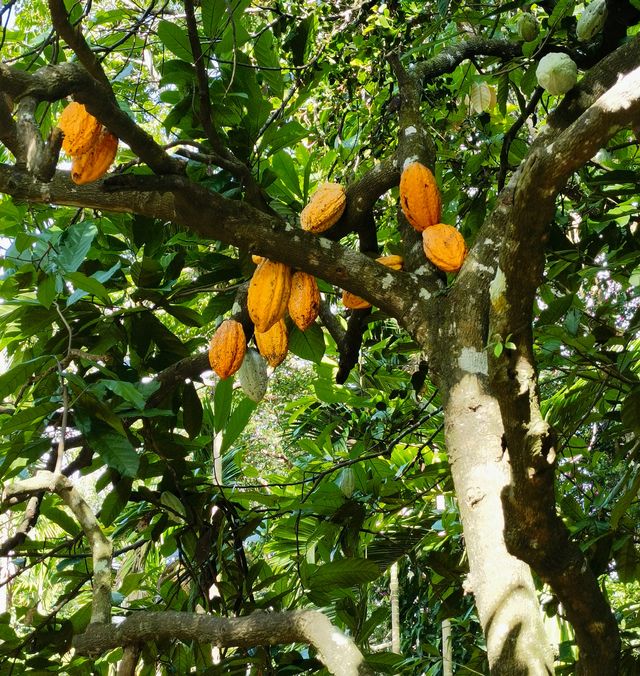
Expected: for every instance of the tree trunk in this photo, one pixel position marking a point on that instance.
(502, 584)
(395, 607)
(447, 652)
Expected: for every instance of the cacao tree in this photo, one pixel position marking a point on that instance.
(473, 386)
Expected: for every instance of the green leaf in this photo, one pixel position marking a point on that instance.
(88, 284)
(184, 314)
(623, 504)
(307, 344)
(237, 422)
(503, 94)
(147, 273)
(117, 452)
(222, 397)
(264, 51)
(17, 376)
(127, 391)
(175, 508)
(175, 39)
(212, 12)
(343, 573)
(76, 242)
(46, 292)
(60, 518)
(631, 412)
(115, 502)
(28, 418)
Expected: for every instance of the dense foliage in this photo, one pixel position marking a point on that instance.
(106, 316)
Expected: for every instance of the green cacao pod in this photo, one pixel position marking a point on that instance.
(253, 375)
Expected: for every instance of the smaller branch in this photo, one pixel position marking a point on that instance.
(73, 36)
(101, 547)
(337, 651)
(8, 127)
(449, 59)
(31, 514)
(31, 146)
(512, 133)
(349, 347)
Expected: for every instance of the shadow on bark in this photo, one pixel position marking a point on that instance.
(515, 659)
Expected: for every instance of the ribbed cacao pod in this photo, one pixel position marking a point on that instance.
(420, 196)
(274, 343)
(444, 246)
(81, 129)
(268, 294)
(324, 208)
(528, 27)
(592, 20)
(94, 164)
(557, 72)
(304, 300)
(253, 376)
(227, 348)
(353, 302)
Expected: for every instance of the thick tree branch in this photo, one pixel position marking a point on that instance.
(214, 217)
(338, 652)
(100, 545)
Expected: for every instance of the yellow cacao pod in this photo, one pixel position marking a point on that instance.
(324, 208)
(274, 343)
(94, 164)
(304, 300)
(268, 294)
(419, 196)
(353, 302)
(257, 259)
(394, 262)
(227, 348)
(444, 246)
(81, 129)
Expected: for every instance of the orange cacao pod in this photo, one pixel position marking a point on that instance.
(227, 348)
(268, 294)
(444, 246)
(274, 343)
(353, 302)
(94, 164)
(81, 129)
(419, 196)
(304, 300)
(324, 209)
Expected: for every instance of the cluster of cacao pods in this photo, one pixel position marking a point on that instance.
(91, 146)
(421, 204)
(274, 290)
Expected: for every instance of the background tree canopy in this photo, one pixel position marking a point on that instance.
(474, 435)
